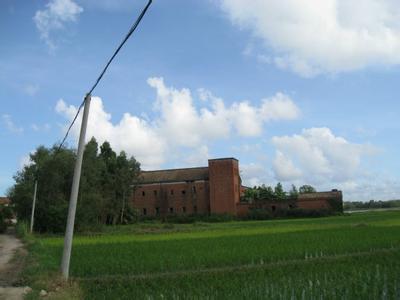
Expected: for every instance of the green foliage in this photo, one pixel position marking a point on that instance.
(336, 205)
(258, 214)
(267, 193)
(279, 193)
(304, 189)
(293, 193)
(5, 215)
(372, 204)
(6, 211)
(3, 224)
(104, 187)
(22, 229)
(307, 213)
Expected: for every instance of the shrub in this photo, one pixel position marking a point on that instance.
(5, 216)
(308, 213)
(21, 229)
(258, 214)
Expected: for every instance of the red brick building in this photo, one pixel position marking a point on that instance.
(203, 190)
(214, 189)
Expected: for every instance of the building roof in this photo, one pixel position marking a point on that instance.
(320, 195)
(4, 200)
(173, 175)
(224, 158)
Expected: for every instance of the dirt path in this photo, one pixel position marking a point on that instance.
(9, 267)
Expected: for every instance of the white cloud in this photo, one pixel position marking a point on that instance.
(246, 119)
(255, 174)
(317, 155)
(378, 187)
(197, 157)
(132, 134)
(53, 18)
(327, 36)
(187, 126)
(280, 107)
(25, 161)
(284, 168)
(8, 122)
(35, 127)
(179, 124)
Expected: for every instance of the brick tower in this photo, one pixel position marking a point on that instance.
(224, 185)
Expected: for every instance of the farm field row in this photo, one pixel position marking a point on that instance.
(345, 256)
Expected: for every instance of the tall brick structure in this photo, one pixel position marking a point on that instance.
(214, 189)
(224, 185)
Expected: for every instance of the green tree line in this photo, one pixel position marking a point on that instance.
(371, 204)
(105, 187)
(267, 193)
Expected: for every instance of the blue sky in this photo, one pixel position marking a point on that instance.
(298, 92)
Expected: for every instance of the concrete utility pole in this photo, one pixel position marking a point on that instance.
(33, 206)
(69, 232)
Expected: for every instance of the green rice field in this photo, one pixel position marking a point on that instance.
(344, 257)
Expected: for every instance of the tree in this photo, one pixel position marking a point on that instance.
(90, 203)
(53, 168)
(126, 170)
(279, 193)
(293, 193)
(266, 193)
(304, 189)
(104, 187)
(250, 195)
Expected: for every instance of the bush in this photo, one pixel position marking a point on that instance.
(258, 214)
(5, 217)
(22, 229)
(3, 224)
(308, 213)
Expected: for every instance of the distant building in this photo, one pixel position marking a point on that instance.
(215, 189)
(5, 201)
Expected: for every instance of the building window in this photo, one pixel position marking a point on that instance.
(195, 208)
(183, 192)
(172, 192)
(157, 210)
(144, 211)
(143, 193)
(194, 190)
(184, 209)
(155, 193)
(171, 210)
(273, 207)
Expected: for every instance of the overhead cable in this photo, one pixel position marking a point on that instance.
(131, 30)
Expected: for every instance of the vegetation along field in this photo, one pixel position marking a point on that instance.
(347, 257)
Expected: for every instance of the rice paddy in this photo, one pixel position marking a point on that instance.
(347, 257)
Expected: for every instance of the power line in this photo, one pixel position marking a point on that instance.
(131, 30)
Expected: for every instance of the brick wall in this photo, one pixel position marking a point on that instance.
(172, 198)
(321, 200)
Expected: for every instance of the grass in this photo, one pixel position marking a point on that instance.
(354, 256)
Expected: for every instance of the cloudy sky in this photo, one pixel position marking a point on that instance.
(299, 91)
